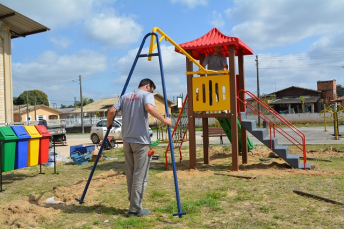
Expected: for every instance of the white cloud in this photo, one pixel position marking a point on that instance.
(191, 3)
(53, 14)
(278, 23)
(113, 30)
(216, 19)
(60, 41)
(53, 74)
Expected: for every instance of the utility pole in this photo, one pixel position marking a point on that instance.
(27, 106)
(258, 89)
(81, 106)
(35, 107)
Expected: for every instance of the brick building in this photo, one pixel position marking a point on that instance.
(328, 90)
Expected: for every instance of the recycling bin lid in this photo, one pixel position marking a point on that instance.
(32, 131)
(20, 132)
(6, 133)
(43, 130)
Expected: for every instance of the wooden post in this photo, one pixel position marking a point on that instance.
(191, 119)
(205, 141)
(205, 127)
(234, 114)
(244, 147)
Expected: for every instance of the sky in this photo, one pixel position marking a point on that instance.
(297, 43)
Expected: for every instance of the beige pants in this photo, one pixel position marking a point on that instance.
(136, 168)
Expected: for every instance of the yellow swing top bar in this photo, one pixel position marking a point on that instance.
(201, 70)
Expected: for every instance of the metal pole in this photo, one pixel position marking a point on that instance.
(258, 90)
(81, 106)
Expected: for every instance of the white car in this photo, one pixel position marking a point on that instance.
(99, 129)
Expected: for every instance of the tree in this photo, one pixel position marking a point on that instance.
(41, 98)
(340, 90)
(302, 103)
(65, 106)
(85, 101)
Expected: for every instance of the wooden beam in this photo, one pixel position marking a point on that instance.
(191, 119)
(234, 114)
(242, 106)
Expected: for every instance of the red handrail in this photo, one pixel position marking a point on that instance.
(174, 129)
(299, 144)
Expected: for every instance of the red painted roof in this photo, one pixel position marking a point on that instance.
(214, 37)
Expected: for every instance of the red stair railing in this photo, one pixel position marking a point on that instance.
(300, 144)
(174, 130)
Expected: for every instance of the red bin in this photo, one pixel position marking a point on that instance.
(43, 144)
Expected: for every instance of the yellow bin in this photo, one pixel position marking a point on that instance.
(32, 158)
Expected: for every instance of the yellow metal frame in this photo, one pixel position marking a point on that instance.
(201, 70)
(201, 93)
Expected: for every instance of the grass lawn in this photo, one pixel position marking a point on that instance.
(213, 196)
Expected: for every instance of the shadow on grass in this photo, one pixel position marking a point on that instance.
(11, 178)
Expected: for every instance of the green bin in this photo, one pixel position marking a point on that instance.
(8, 149)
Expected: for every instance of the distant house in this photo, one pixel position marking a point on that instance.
(66, 113)
(100, 107)
(42, 112)
(289, 99)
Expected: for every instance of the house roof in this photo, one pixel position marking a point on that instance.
(206, 43)
(102, 105)
(288, 88)
(23, 108)
(20, 25)
(293, 100)
(66, 110)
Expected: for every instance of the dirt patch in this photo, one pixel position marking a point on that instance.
(33, 209)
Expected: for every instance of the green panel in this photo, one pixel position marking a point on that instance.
(226, 126)
(8, 152)
(6, 133)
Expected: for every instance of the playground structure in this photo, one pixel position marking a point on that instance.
(204, 98)
(335, 116)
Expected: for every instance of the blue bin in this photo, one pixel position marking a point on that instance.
(22, 148)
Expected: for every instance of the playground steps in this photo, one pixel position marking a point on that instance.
(262, 135)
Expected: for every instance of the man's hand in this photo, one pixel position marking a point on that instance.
(168, 121)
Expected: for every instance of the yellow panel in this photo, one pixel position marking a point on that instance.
(205, 86)
(32, 157)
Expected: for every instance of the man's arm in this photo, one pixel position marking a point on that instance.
(155, 113)
(225, 67)
(111, 113)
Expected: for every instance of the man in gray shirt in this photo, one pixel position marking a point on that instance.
(135, 107)
(216, 61)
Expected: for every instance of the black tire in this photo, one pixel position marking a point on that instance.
(95, 139)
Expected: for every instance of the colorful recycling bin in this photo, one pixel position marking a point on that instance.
(44, 144)
(8, 148)
(32, 158)
(22, 147)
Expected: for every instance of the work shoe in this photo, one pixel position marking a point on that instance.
(139, 214)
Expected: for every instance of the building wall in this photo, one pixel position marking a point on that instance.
(45, 112)
(328, 89)
(6, 89)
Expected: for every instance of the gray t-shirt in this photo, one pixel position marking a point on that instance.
(135, 116)
(214, 62)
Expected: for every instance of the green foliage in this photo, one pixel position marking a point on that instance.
(65, 106)
(41, 98)
(340, 90)
(85, 101)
